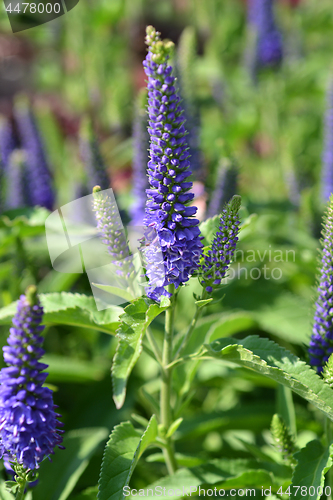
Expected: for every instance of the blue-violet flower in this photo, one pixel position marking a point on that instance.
(28, 422)
(321, 342)
(167, 210)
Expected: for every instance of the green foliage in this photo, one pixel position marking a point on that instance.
(71, 309)
(313, 461)
(328, 372)
(134, 323)
(121, 454)
(269, 359)
(69, 464)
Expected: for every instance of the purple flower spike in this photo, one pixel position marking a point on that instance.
(28, 422)
(221, 253)
(225, 188)
(8, 140)
(140, 160)
(17, 186)
(268, 48)
(167, 209)
(38, 170)
(327, 159)
(321, 342)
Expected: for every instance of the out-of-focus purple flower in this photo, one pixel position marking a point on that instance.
(40, 180)
(8, 141)
(327, 157)
(140, 160)
(321, 343)
(167, 209)
(92, 157)
(17, 185)
(225, 187)
(28, 422)
(267, 36)
(220, 255)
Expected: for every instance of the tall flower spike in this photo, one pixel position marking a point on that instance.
(321, 342)
(167, 209)
(220, 255)
(39, 175)
(140, 159)
(28, 422)
(112, 232)
(92, 157)
(268, 39)
(8, 141)
(327, 158)
(225, 187)
(17, 186)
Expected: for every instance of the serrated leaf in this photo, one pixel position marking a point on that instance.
(68, 465)
(203, 303)
(119, 292)
(269, 359)
(121, 455)
(71, 309)
(134, 322)
(226, 473)
(313, 461)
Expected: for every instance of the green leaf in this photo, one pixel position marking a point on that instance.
(4, 494)
(173, 427)
(66, 369)
(134, 322)
(208, 229)
(121, 455)
(313, 461)
(115, 291)
(88, 494)
(71, 309)
(226, 473)
(231, 324)
(25, 221)
(203, 303)
(269, 359)
(68, 465)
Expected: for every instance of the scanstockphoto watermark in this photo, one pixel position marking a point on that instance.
(269, 264)
(27, 14)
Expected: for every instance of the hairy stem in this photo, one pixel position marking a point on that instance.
(165, 401)
(20, 492)
(329, 476)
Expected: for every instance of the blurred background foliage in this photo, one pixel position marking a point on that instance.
(89, 63)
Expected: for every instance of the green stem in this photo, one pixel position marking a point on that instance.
(20, 492)
(189, 332)
(154, 346)
(329, 476)
(168, 451)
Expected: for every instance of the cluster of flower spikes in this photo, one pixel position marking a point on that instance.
(321, 342)
(28, 422)
(269, 48)
(167, 210)
(327, 157)
(220, 255)
(112, 232)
